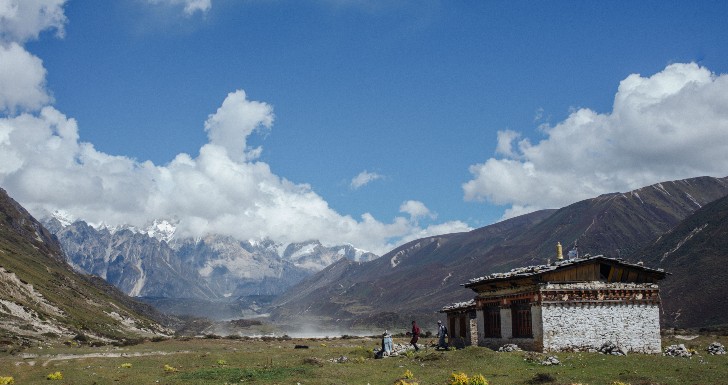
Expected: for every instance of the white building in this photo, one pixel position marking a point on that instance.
(576, 304)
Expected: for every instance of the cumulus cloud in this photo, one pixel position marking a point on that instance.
(22, 80)
(234, 121)
(416, 209)
(190, 6)
(23, 20)
(45, 166)
(505, 143)
(22, 75)
(364, 178)
(671, 125)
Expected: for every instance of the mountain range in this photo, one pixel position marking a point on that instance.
(213, 272)
(418, 278)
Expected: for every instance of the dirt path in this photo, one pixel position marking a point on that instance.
(62, 357)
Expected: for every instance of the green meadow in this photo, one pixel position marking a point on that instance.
(213, 360)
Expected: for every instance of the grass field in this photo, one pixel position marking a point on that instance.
(227, 361)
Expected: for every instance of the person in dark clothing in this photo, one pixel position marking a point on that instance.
(415, 335)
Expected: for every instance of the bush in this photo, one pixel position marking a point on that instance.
(126, 365)
(459, 379)
(408, 375)
(55, 376)
(7, 381)
(478, 379)
(169, 369)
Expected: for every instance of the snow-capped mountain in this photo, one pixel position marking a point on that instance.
(153, 262)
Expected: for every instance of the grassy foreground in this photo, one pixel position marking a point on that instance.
(227, 361)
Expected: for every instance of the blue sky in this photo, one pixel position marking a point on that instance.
(459, 111)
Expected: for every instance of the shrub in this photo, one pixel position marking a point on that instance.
(126, 365)
(55, 376)
(459, 379)
(478, 379)
(6, 381)
(408, 375)
(169, 369)
(221, 362)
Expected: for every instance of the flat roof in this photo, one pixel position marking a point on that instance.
(530, 271)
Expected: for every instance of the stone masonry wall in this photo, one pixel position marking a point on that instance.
(633, 327)
(473, 332)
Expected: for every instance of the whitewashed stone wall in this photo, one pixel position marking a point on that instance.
(632, 327)
(473, 332)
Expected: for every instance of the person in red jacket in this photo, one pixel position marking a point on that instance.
(415, 335)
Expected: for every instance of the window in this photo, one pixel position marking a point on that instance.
(492, 327)
(521, 316)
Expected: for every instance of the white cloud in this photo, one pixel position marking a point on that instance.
(22, 80)
(505, 143)
(234, 121)
(190, 6)
(416, 210)
(23, 20)
(22, 76)
(671, 125)
(45, 167)
(364, 178)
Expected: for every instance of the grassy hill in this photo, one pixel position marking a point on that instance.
(42, 298)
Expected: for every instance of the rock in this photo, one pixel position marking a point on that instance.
(509, 348)
(339, 360)
(677, 351)
(551, 360)
(716, 348)
(610, 347)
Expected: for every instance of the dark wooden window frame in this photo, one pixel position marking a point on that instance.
(521, 320)
(491, 322)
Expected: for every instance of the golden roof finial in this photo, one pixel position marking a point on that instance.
(559, 255)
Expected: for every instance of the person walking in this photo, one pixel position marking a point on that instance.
(415, 335)
(441, 334)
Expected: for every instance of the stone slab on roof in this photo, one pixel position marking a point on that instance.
(528, 271)
(458, 306)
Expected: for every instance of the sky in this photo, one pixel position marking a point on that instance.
(371, 123)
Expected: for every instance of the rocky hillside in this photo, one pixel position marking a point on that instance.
(696, 254)
(416, 279)
(41, 297)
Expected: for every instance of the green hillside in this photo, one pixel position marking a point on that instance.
(41, 297)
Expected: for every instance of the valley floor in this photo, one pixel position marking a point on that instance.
(278, 361)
